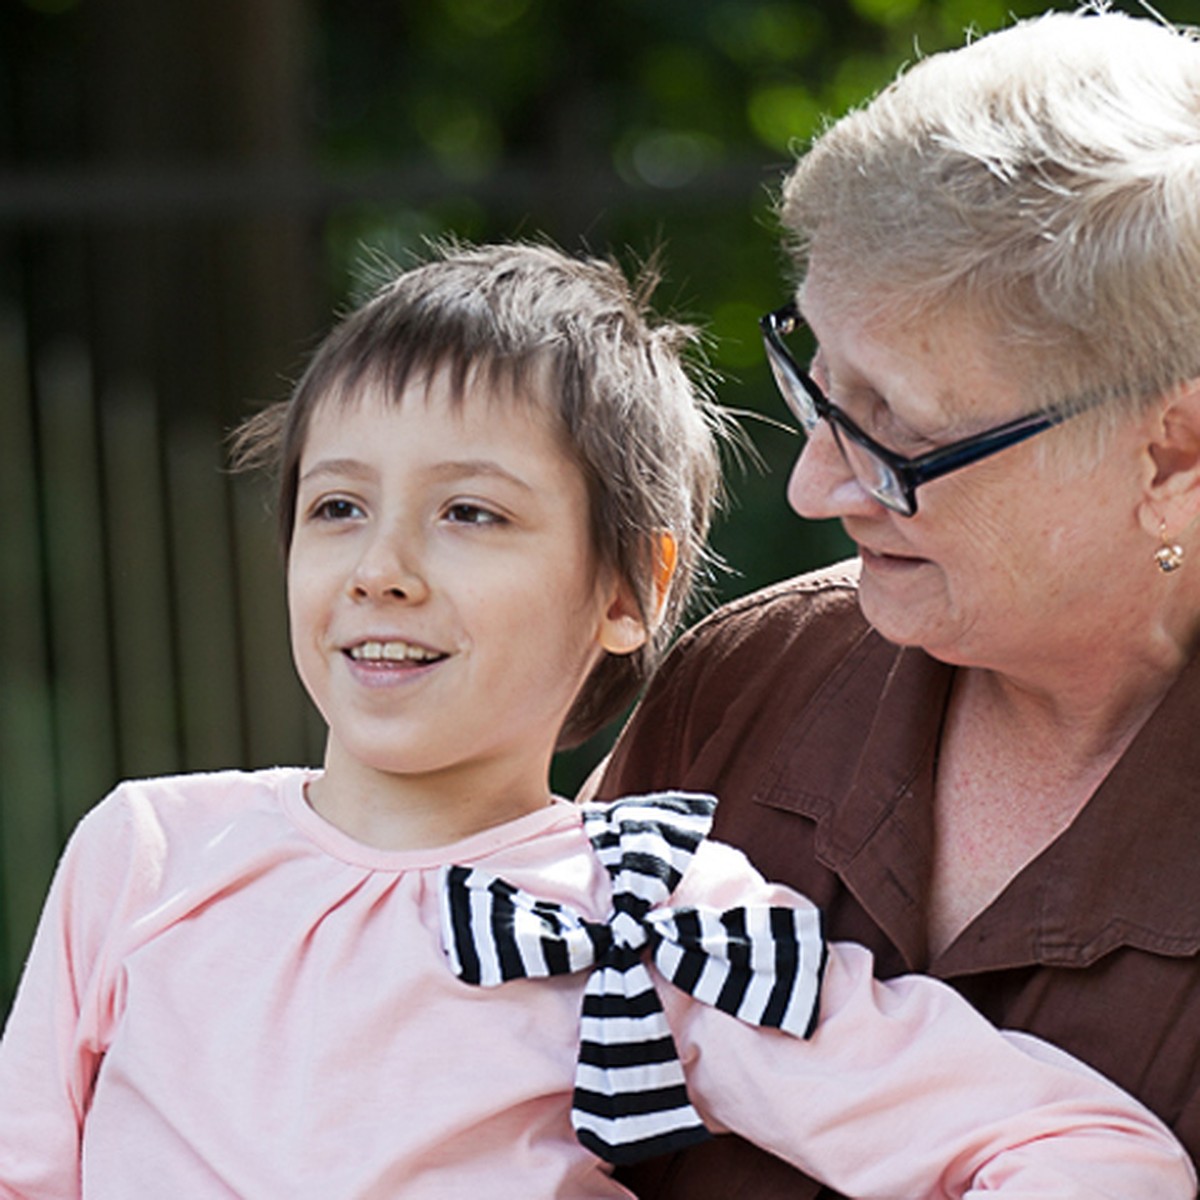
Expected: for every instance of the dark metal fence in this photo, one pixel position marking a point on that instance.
(141, 625)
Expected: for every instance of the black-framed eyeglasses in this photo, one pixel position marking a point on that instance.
(890, 478)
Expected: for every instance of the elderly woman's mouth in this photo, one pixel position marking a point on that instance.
(884, 560)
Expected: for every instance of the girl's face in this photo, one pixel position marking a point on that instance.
(444, 600)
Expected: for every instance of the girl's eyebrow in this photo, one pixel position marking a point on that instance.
(351, 467)
(474, 467)
(452, 469)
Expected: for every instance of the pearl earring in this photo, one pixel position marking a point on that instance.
(1169, 556)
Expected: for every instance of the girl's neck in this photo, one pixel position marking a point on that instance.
(399, 812)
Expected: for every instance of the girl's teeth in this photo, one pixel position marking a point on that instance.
(391, 652)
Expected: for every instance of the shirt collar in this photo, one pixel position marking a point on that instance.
(1123, 873)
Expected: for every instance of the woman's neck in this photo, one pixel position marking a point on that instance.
(1016, 766)
(1092, 715)
(1087, 692)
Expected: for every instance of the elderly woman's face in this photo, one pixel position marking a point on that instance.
(1005, 558)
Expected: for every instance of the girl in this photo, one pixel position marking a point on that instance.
(368, 980)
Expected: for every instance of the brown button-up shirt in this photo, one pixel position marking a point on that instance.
(820, 739)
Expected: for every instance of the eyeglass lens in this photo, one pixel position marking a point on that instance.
(875, 475)
(872, 472)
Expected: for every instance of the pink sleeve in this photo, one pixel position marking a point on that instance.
(905, 1090)
(56, 1032)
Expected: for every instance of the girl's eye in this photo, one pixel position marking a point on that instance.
(337, 509)
(464, 513)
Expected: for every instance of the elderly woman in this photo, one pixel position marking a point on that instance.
(978, 744)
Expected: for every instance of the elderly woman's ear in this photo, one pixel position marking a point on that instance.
(1172, 494)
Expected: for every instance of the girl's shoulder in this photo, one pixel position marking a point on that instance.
(211, 789)
(149, 820)
(152, 846)
(197, 798)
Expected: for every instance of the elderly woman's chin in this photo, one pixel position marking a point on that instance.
(905, 599)
(956, 616)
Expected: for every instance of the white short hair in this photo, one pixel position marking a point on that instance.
(1044, 179)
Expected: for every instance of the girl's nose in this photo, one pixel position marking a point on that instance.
(388, 568)
(822, 485)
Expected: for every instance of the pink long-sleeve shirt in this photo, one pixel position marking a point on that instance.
(228, 997)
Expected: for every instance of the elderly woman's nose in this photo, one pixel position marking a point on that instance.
(822, 484)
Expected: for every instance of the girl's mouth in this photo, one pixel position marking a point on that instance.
(372, 652)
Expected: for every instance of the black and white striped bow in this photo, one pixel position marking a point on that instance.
(761, 964)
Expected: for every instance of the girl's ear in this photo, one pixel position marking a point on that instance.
(665, 559)
(623, 630)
